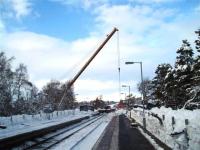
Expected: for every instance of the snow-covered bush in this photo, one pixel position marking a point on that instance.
(181, 132)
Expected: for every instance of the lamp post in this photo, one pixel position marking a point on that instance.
(142, 82)
(129, 87)
(124, 95)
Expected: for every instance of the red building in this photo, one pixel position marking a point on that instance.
(121, 105)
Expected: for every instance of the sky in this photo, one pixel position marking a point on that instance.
(54, 38)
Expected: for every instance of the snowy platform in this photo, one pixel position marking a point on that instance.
(30, 125)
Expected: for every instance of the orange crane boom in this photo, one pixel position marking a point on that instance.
(92, 57)
(71, 82)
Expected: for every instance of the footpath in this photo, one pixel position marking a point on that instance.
(119, 135)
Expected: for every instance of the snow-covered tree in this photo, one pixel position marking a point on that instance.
(195, 90)
(54, 91)
(170, 88)
(198, 40)
(20, 80)
(22, 91)
(147, 89)
(196, 67)
(6, 81)
(183, 72)
(69, 99)
(158, 82)
(34, 103)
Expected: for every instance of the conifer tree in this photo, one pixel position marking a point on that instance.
(159, 81)
(183, 72)
(196, 67)
(198, 40)
(170, 87)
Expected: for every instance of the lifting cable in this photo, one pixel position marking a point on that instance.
(118, 63)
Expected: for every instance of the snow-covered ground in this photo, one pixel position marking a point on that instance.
(25, 123)
(152, 141)
(189, 133)
(93, 131)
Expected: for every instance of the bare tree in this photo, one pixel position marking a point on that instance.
(6, 81)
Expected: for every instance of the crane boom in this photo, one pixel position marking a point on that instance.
(87, 63)
(92, 57)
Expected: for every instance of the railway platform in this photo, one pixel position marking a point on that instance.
(119, 135)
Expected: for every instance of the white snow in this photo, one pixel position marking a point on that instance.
(155, 145)
(26, 123)
(90, 140)
(163, 132)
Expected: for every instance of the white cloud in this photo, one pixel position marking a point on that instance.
(41, 82)
(197, 9)
(113, 96)
(153, 1)
(15, 8)
(2, 30)
(2, 26)
(90, 89)
(42, 53)
(132, 19)
(148, 31)
(91, 85)
(21, 8)
(85, 4)
(50, 57)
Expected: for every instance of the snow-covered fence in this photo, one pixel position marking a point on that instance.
(24, 118)
(180, 129)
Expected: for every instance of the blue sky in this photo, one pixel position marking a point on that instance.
(54, 38)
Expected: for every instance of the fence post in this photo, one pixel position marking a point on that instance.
(186, 122)
(186, 132)
(74, 111)
(173, 122)
(11, 119)
(163, 117)
(49, 116)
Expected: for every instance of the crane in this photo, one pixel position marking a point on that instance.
(71, 82)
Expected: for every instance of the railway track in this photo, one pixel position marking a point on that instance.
(52, 139)
(77, 143)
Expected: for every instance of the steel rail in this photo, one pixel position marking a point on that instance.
(18, 139)
(52, 141)
(84, 137)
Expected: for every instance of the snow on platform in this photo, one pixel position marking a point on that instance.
(27, 123)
